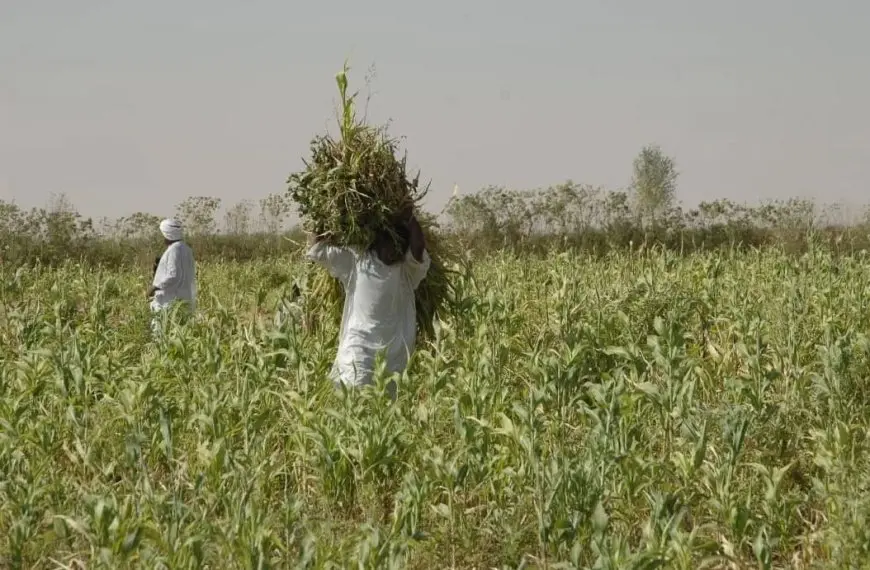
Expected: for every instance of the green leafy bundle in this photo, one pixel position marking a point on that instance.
(354, 187)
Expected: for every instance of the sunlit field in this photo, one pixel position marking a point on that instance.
(637, 411)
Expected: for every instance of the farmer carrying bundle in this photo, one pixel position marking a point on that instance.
(359, 208)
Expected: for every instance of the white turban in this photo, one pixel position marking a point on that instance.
(171, 229)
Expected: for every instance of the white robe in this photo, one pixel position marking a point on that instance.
(175, 277)
(379, 314)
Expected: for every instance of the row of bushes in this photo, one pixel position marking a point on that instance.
(567, 216)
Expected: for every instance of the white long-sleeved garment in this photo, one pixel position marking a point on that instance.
(379, 314)
(175, 277)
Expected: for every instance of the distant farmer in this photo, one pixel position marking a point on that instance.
(175, 275)
(379, 313)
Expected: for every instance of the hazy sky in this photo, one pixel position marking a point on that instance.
(129, 106)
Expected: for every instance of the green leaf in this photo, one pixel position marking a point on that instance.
(131, 541)
(599, 519)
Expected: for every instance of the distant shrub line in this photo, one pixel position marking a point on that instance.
(560, 218)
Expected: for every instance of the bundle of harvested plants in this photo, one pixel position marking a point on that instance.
(353, 187)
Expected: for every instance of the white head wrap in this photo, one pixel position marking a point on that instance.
(171, 229)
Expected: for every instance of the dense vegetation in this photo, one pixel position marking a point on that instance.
(621, 384)
(623, 411)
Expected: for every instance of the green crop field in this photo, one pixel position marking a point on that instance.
(636, 411)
